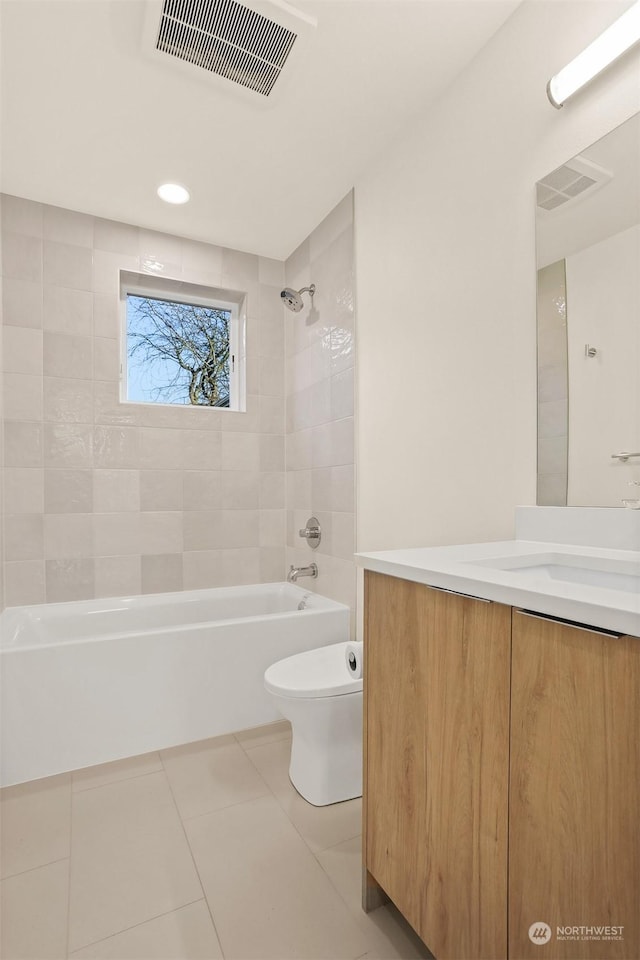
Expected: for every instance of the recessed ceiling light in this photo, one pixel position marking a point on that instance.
(173, 193)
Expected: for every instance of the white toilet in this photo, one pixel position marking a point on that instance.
(314, 691)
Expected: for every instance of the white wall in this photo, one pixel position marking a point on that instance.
(603, 298)
(445, 267)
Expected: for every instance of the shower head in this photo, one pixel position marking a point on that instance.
(292, 299)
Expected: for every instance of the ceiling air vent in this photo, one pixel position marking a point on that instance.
(241, 43)
(572, 181)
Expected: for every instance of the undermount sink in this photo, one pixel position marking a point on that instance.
(589, 571)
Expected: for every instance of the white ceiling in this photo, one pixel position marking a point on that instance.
(90, 123)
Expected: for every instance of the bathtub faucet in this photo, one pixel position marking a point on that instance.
(296, 572)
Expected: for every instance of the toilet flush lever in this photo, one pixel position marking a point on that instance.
(311, 533)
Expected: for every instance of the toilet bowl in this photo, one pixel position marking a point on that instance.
(314, 691)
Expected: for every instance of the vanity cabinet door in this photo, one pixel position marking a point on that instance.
(437, 671)
(574, 835)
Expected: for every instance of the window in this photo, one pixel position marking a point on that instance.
(181, 344)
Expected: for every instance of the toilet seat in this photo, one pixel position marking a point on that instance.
(315, 673)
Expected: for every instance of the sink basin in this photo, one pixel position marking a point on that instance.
(589, 571)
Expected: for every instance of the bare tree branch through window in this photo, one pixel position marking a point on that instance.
(178, 352)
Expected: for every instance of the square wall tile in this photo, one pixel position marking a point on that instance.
(109, 410)
(69, 579)
(21, 216)
(272, 564)
(240, 489)
(202, 530)
(161, 533)
(21, 257)
(68, 491)
(23, 444)
(160, 448)
(272, 490)
(22, 396)
(271, 272)
(68, 401)
(271, 453)
(116, 534)
(106, 270)
(68, 355)
(22, 303)
(239, 566)
(161, 490)
(115, 237)
(67, 311)
(117, 576)
(201, 568)
(23, 490)
(239, 528)
(202, 489)
(116, 491)
(201, 262)
(106, 316)
(66, 265)
(67, 226)
(22, 350)
(106, 359)
(24, 582)
(162, 573)
(116, 447)
(68, 536)
(68, 445)
(23, 536)
(332, 227)
(201, 449)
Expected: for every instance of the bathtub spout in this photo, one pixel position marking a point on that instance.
(296, 572)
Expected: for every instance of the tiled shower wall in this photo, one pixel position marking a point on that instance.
(553, 386)
(320, 360)
(103, 498)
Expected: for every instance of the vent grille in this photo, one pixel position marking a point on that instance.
(568, 182)
(226, 38)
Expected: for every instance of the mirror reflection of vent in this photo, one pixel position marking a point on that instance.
(226, 38)
(572, 181)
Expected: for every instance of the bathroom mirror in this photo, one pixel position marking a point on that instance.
(588, 263)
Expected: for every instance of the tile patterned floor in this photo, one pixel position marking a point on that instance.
(196, 853)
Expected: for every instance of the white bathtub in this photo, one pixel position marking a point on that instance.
(97, 680)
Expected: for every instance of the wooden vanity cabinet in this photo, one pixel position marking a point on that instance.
(436, 698)
(574, 822)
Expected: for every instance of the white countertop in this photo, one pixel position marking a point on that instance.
(459, 568)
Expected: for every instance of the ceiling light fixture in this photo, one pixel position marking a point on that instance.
(616, 40)
(173, 193)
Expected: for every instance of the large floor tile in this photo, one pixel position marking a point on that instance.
(388, 935)
(35, 821)
(268, 895)
(184, 934)
(321, 827)
(130, 860)
(33, 913)
(269, 733)
(212, 774)
(105, 773)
